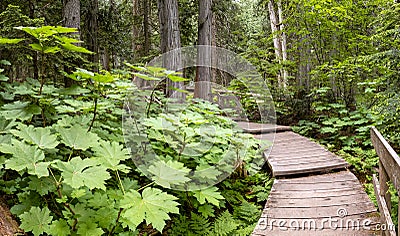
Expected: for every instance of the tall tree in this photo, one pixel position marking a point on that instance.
(203, 75)
(92, 28)
(170, 40)
(72, 14)
(279, 38)
(72, 19)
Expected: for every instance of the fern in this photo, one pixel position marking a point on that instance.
(196, 225)
(247, 212)
(224, 225)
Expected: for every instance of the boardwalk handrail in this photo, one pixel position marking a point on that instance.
(389, 171)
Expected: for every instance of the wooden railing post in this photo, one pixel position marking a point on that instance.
(389, 171)
(384, 184)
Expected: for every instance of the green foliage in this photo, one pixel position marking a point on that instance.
(153, 205)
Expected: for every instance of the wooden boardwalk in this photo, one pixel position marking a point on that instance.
(313, 193)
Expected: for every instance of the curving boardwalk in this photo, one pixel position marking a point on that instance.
(313, 193)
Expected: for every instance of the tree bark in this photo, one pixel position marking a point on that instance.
(203, 76)
(146, 26)
(72, 14)
(283, 38)
(71, 19)
(170, 40)
(92, 26)
(136, 47)
(274, 20)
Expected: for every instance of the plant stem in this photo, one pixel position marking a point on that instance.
(42, 80)
(147, 185)
(94, 114)
(120, 182)
(116, 221)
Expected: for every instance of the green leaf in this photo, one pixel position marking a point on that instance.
(225, 224)
(36, 220)
(78, 173)
(153, 206)
(106, 78)
(110, 155)
(68, 40)
(36, 46)
(10, 41)
(75, 48)
(175, 78)
(146, 77)
(78, 138)
(169, 173)
(206, 210)
(210, 194)
(3, 78)
(41, 137)
(6, 125)
(20, 110)
(59, 228)
(5, 62)
(42, 185)
(138, 68)
(89, 229)
(25, 157)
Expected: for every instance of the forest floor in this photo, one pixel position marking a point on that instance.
(8, 226)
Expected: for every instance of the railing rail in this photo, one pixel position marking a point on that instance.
(389, 171)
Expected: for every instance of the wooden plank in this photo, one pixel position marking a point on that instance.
(385, 214)
(319, 212)
(257, 128)
(308, 169)
(330, 178)
(315, 186)
(306, 202)
(299, 156)
(304, 162)
(389, 158)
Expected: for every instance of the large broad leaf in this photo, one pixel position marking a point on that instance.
(110, 155)
(153, 206)
(36, 220)
(10, 41)
(169, 173)
(25, 157)
(41, 137)
(78, 138)
(78, 173)
(20, 110)
(210, 194)
(175, 78)
(146, 77)
(6, 125)
(106, 78)
(75, 48)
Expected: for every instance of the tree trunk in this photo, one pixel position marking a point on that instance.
(170, 40)
(146, 26)
(283, 44)
(136, 47)
(203, 76)
(72, 14)
(92, 26)
(273, 18)
(71, 19)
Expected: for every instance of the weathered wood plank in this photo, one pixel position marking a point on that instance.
(389, 158)
(334, 197)
(385, 213)
(256, 128)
